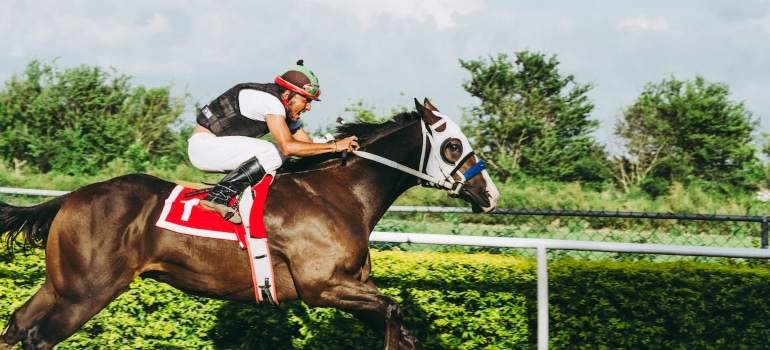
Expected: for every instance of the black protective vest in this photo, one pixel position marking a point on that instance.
(223, 117)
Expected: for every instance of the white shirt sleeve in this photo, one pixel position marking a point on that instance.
(257, 104)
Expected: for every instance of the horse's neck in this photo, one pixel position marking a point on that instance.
(364, 189)
(377, 185)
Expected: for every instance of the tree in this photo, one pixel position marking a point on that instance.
(644, 147)
(366, 112)
(532, 120)
(764, 146)
(79, 119)
(688, 132)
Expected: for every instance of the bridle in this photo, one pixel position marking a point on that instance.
(448, 183)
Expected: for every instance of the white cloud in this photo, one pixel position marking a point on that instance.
(441, 12)
(374, 50)
(764, 22)
(642, 23)
(105, 31)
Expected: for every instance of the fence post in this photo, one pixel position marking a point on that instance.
(542, 298)
(764, 231)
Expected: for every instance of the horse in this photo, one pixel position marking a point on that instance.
(319, 214)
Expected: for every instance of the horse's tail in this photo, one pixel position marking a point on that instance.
(32, 222)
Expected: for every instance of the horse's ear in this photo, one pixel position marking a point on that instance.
(430, 106)
(418, 106)
(427, 111)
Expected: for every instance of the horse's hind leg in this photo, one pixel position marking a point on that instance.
(27, 316)
(22, 322)
(49, 318)
(79, 282)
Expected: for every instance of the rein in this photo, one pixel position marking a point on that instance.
(408, 170)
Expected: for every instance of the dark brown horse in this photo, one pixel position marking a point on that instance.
(318, 217)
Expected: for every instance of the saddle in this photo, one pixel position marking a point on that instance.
(182, 214)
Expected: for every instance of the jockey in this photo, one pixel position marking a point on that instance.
(227, 136)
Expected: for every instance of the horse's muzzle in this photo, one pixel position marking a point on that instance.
(485, 199)
(482, 201)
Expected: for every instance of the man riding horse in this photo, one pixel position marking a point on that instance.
(227, 136)
(99, 238)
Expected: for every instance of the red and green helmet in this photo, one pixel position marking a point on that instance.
(300, 80)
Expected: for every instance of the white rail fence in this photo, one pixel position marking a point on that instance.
(542, 246)
(30, 192)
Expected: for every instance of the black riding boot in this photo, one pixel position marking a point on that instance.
(218, 199)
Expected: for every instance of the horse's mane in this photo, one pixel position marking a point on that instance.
(365, 131)
(368, 130)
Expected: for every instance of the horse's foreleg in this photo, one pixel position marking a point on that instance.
(377, 322)
(364, 301)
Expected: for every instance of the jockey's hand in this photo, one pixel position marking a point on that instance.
(349, 143)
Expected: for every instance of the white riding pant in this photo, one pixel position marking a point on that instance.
(210, 153)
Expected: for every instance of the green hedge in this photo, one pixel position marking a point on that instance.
(450, 301)
(682, 305)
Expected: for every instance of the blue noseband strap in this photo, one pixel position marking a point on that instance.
(475, 170)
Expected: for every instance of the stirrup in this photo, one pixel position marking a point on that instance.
(227, 212)
(233, 217)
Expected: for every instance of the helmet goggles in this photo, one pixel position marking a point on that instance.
(300, 80)
(313, 90)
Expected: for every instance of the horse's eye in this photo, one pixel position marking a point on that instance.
(451, 150)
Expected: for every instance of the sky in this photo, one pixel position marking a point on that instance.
(387, 53)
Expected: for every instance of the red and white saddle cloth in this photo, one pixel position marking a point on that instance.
(183, 214)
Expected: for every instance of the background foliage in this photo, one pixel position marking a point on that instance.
(532, 125)
(79, 120)
(687, 131)
(532, 120)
